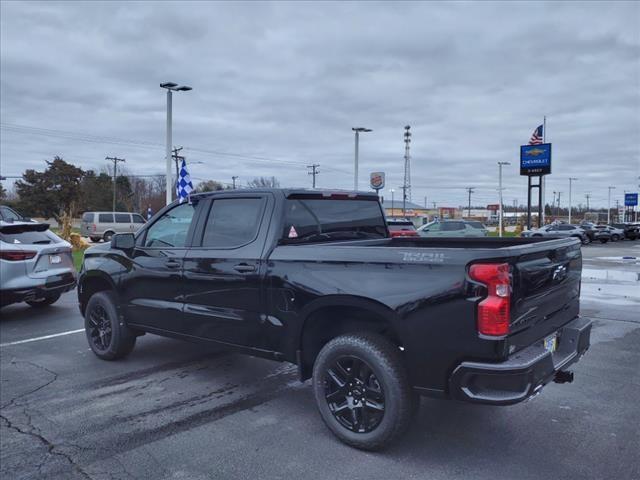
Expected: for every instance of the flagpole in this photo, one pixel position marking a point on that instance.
(542, 182)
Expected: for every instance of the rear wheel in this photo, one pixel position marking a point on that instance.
(107, 236)
(615, 237)
(94, 239)
(604, 240)
(44, 302)
(362, 390)
(108, 337)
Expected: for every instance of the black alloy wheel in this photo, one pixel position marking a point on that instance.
(108, 335)
(354, 394)
(99, 327)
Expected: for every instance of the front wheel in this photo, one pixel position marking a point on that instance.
(585, 240)
(615, 238)
(362, 390)
(604, 240)
(108, 337)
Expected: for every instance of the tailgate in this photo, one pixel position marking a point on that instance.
(546, 293)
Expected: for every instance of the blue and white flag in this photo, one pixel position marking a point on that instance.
(184, 187)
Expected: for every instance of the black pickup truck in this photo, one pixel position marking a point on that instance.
(314, 278)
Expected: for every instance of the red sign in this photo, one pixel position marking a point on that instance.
(494, 207)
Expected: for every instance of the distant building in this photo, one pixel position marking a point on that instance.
(417, 213)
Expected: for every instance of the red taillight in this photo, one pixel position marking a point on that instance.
(16, 255)
(494, 311)
(93, 227)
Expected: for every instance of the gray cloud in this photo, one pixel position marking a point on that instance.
(285, 82)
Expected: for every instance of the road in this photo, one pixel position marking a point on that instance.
(174, 410)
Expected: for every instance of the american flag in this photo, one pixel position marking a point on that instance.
(536, 136)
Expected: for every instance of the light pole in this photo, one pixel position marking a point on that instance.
(170, 87)
(500, 164)
(392, 202)
(234, 178)
(355, 164)
(609, 205)
(571, 179)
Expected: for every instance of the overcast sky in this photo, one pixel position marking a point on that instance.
(278, 86)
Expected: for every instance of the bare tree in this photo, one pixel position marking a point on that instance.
(264, 182)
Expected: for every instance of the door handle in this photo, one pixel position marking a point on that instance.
(172, 264)
(244, 268)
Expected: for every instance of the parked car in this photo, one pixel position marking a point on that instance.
(8, 214)
(451, 228)
(602, 233)
(314, 278)
(401, 228)
(615, 234)
(558, 230)
(102, 225)
(35, 264)
(630, 231)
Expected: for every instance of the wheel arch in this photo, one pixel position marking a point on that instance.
(335, 315)
(91, 283)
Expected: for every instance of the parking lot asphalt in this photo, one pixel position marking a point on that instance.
(173, 410)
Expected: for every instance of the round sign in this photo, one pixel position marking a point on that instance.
(377, 180)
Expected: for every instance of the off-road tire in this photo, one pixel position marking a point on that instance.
(384, 359)
(101, 308)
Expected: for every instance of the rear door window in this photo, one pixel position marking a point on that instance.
(137, 218)
(233, 222)
(8, 214)
(452, 226)
(87, 217)
(105, 218)
(123, 218)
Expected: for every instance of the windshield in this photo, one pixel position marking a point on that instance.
(326, 219)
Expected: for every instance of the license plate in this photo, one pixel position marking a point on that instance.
(551, 343)
(55, 259)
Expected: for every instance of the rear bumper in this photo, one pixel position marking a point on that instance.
(54, 285)
(524, 373)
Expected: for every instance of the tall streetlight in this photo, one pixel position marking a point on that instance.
(355, 165)
(571, 179)
(609, 205)
(500, 164)
(170, 87)
(392, 207)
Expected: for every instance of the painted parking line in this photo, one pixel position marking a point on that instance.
(46, 337)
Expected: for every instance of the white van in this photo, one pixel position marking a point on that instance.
(102, 225)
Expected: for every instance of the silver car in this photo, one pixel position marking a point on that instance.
(36, 265)
(558, 230)
(451, 228)
(102, 225)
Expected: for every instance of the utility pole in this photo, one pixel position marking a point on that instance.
(314, 171)
(170, 87)
(587, 196)
(617, 210)
(515, 208)
(500, 165)
(558, 207)
(470, 191)
(406, 187)
(609, 205)
(115, 161)
(571, 179)
(425, 202)
(553, 204)
(355, 161)
(233, 179)
(392, 202)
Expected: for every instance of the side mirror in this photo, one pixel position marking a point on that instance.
(123, 241)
